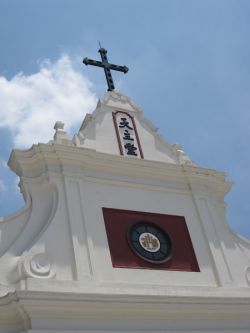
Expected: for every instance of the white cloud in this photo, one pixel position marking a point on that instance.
(3, 164)
(31, 104)
(3, 187)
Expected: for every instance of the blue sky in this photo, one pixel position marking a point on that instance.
(189, 70)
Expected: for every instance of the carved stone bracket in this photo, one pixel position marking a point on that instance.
(37, 265)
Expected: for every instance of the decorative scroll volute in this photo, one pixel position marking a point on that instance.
(37, 265)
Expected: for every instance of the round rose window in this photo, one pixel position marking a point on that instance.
(149, 242)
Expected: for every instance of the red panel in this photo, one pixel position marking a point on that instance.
(118, 222)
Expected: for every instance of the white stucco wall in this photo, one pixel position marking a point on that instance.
(55, 267)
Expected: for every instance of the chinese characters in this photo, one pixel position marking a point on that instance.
(127, 135)
(130, 147)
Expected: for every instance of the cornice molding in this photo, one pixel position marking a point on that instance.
(56, 158)
(39, 304)
(72, 311)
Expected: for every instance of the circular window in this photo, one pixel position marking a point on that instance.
(150, 243)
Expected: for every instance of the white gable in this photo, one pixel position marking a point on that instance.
(98, 131)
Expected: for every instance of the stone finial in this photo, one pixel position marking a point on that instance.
(181, 155)
(61, 135)
(59, 125)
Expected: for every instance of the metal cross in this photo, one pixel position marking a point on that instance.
(106, 66)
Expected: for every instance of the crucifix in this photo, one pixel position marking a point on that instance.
(106, 66)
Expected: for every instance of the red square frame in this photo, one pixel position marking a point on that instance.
(119, 221)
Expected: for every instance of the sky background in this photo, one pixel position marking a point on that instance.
(189, 70)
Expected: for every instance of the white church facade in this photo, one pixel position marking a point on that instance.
(121, 232)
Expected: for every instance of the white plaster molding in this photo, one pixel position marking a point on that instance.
(33, 225)
(107, 313)
(116, 99)
(68, 312)
(41, 157)
(36, 264)
(17, 221)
